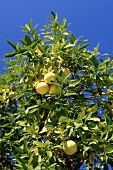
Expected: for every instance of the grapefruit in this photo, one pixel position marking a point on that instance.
(49, 77)
(42, 88)
(69, 147)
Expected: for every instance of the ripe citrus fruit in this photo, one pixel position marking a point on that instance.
(42, 88)
(69, 147)
(49, 77)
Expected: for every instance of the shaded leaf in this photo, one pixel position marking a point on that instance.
(108, 149)
(19, 150)
(111, 77)
(28, 40)
(83, 47)
(12, 44)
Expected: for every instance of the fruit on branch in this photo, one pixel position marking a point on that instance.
(66, 71)
(42, 88)
(69, 147)
(49, 77)
(54, 89)
(11, 95)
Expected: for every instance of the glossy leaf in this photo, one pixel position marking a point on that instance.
(12, 44)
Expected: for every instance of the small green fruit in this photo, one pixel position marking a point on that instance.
(69, 147)
(66, 71)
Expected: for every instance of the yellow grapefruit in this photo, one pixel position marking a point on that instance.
(66, 71)
(69, 147)
(42, 88)
(49, 77)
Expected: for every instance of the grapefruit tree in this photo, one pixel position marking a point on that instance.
(42, 129)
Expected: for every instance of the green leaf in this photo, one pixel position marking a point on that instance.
(33, 32)
(34, 44)
(86, 148)
(19, 160)
(28, 40)
(45, 32)
(30, 23)
(25, 166)
(95, 119)
(73, 83)
(38, 168)
(49, 153)
(96, 147)
(11, 54)
(52, 165)
(70, 94)
(92, 126)
(64, 119)
(35, 161)
(108, 149)
(94, 61)
(111, 77)
(83, 47)
(18, 47)
(10, 133)
(101, 66)
(25, 146)
(48, 37)
(40, 145)
(25, 29)
(53, 15)
(33, 110)
(78, 122)
(69, 45)
(63, 22)
(90, 111)
(65, 33)
(12, 44)
(23, 42)
(19, 150)
(73, 38)
(41, 48)
(31, 107)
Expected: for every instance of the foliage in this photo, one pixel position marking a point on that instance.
(33, 126)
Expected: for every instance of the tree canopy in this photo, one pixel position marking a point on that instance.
(56, 102)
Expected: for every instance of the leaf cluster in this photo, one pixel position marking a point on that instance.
(33, 126)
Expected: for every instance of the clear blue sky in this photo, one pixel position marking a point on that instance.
(91, 18)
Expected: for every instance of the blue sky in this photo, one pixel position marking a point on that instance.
(91, 18)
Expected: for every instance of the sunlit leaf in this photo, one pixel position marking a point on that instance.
(70, 45)
(64, 119)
